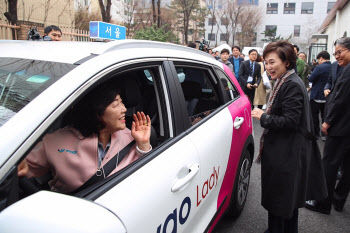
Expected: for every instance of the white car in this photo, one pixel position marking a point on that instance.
(203, 147)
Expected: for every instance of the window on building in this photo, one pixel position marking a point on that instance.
(223, 36)
(224, 21)
(296, 30)
(220, 4)
(252, 2)
(307, 8)
(289, 8)
(330, 6)
(212, 21)
(270, 30)
(211, 36)
(272, 8)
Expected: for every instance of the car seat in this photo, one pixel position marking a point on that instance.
(192, 93)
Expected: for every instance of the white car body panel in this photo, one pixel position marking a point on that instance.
(58, 213)
(148, 191)
(212, 157)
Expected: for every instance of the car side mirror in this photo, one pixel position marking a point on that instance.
(47, 211)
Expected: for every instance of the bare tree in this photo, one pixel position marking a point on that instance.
(31, 9)
(143, 15)
(48, 5)
(184, 9)
(233, 12)
(212, 10)
(128, 13)
(158, 15)
(154, 12)
(105, 10)
(82, 17)
(66, 10)
(249, 20)
(11, 14)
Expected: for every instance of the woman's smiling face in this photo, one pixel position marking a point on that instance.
(114, 116)
(343, 55)
(274, 65)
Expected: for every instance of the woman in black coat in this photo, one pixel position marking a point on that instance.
(291, 167)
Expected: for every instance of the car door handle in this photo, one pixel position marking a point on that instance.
(238, 122)
(179, 183)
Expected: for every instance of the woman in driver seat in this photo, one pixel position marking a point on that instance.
(97, 133)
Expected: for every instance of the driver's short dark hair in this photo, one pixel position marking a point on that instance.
(50, 28)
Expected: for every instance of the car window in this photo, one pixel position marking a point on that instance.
(21, 80)
(198, 89)
(48, 157)
(228, 85)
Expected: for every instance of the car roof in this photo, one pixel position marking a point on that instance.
(77, 52)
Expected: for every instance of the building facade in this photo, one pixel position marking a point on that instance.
(335, 26)
(296, 20)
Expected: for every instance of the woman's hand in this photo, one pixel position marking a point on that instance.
(22, 169)
(256, 113)
(325, 127)
(141, 131)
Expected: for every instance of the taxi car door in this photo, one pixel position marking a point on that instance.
(213, 134)
(158, 193)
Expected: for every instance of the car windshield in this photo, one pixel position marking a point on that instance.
(21, 80)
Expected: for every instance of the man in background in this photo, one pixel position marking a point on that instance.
(236, 60)
(52, 32)
(250, 75)
(224, 56)
(305, 73)
(299, 69)
(317, 99)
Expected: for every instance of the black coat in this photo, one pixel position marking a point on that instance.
(244, 71)
(291, 165)
(337, 113)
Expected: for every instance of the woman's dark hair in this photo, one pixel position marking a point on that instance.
(86, 115)
(296, 46)
(284, 50)
(258, 59)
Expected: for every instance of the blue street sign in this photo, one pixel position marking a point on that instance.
(102, 30)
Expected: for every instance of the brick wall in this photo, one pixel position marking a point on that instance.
(25, 27)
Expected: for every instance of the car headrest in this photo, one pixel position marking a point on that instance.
(191, 90)
(132, 92)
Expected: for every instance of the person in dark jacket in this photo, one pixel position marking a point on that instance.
(337, 128)
(317, 99)
(236, 61)
(291, 165)
(250, 75)
(335, 72)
